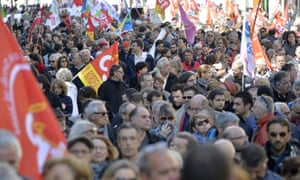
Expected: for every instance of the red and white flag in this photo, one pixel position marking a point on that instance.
(37, 20)
(25, 110)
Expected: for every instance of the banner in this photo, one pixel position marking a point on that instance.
(25, 111)
(97, 71)
(126, 25)
(189, 26)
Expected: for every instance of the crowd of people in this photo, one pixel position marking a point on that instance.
(186, 111)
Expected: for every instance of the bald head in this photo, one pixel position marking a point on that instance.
(226, 147)
(237, 136)
(196, 104)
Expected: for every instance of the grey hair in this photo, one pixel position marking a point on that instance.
(267, 102)
(92, 107)
(160, 62)
(278, 105)
(55, 55)
(7, 172)
(8, 139)
(64, 74)
(157, 104)
(143, 161)
(123, 107)
(223, 118)
(80, 127)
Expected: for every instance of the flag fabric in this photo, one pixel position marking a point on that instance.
(189, 26)
(208, 15)
(160, 7)
(78, 2)
(90, 30)
(126, 25)
(53, 18)
(2, 12)
(37, 20)
(25, 110)
(96, 72)
(247, 51)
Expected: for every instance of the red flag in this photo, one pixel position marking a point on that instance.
(97, 71)
(37, 20)
(25, 111)
(78, 2)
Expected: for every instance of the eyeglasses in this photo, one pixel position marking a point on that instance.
(281, 134)
(239, 137)
(79, 151)
(120, 72)
(194, 109)
(52, 61)
(201, 123)
(187, 97)
(122, 178)
(167, 118)
(102, 113)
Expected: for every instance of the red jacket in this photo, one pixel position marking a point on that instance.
(260, 136)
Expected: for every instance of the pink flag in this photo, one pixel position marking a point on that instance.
(189, 26)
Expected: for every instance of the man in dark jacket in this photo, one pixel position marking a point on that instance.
(279, 144)
(112, 89)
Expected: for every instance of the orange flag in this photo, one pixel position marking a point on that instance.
(25, 111)
(208, 16)
(97, 71)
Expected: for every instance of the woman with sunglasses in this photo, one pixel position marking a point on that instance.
(200, 125)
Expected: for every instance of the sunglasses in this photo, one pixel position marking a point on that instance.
(167, 118)
(281, 134)
(187, 97)
(102, 113)
(201, 123)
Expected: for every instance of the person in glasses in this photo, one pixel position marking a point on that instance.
(97, 113)
(263, 111)
(81, 147)
(279, 145)
(200, 125)
(281, 87)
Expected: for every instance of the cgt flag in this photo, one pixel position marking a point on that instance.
(25, 111)
(97, 71)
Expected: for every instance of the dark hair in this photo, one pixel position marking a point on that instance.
(264, 90)
(114, 68)
(183, 78)
(287, 67)
(290, 167)
(279, 76)
(194, 88)
(183, 40)
(139, 43)
(245, 96)
(216, 92)
(159, 42)
(153, 93)
(127, 125)
(248, 158)
(81, 139)
(135, 97)
(87, 92)
(45, 82)
(202, 161)
(278, 120)
(177, 87)
(140, 65)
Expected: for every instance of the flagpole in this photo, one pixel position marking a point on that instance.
(253, 26)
